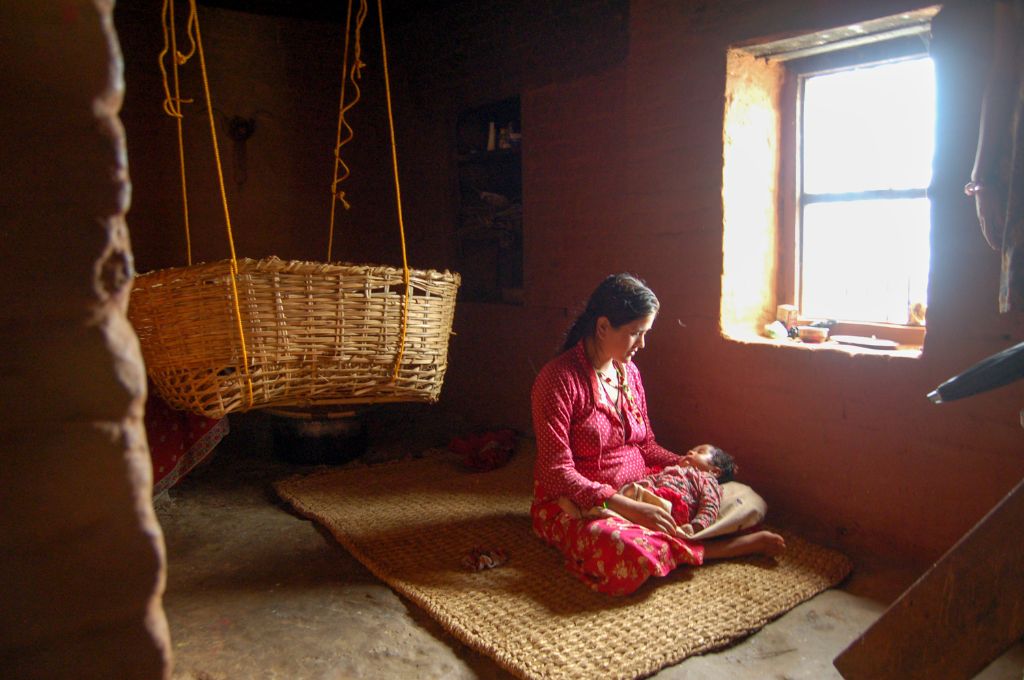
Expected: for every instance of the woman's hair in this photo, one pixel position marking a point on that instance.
(724, 462)
(620, 297)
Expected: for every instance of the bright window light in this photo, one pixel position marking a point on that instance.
(865, 260)
(867, 145)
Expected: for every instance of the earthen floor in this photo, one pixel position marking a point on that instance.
(254, 592)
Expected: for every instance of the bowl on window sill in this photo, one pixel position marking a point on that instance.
(812, 333)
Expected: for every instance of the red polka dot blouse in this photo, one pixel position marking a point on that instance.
(584, 451)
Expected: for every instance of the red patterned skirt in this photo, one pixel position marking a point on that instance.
(609, 554)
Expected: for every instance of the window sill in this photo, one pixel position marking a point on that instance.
(906, 336)
(904, 351)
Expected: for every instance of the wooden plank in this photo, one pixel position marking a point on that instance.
(965, 611)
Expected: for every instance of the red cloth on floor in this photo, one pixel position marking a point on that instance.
(178, 440)
(484, 451)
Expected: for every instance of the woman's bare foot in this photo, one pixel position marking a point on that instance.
(756, 543)
(768, 543)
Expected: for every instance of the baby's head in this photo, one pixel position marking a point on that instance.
(711, 459)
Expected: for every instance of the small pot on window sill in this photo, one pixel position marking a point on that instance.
(812, 333)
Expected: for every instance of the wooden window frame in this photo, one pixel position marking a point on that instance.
(787, 283)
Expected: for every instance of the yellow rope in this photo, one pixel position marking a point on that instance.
(398, 194)
(337, 140)
(172, 105)
(357, 67)
(224, 202)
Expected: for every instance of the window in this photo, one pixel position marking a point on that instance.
(864, 152)
(832, 214)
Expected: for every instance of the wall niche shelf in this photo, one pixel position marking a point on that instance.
(489, 224)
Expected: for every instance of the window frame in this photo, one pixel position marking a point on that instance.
(791, 199)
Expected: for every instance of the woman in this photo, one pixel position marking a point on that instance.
(594, 437)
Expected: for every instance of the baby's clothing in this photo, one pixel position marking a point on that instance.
(694, 495)
(690, 495)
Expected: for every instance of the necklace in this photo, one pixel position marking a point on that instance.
(623, 390)
(619, 384)
(616, 402)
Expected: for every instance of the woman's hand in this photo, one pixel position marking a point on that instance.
(646, 515)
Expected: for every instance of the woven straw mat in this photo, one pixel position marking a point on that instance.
(411, 522)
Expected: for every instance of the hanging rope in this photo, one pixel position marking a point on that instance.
(398, 194)
(172, 104)
(224, 202)
(357, 67)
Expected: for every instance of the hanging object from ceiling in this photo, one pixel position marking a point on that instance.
(243, 334)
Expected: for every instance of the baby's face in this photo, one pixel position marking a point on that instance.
(699, 457)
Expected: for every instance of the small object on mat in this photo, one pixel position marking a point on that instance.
(479, 558)
(863, 341)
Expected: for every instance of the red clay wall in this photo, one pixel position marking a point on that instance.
(622, 111)
(622, 172)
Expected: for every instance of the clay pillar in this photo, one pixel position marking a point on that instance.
(81, 553)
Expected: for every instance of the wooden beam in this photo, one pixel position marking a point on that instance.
(965, 611)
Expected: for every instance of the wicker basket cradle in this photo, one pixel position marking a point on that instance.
(315, 334)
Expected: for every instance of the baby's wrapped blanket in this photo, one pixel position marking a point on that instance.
(741, 508)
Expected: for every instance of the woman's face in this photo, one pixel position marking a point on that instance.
(623, 342)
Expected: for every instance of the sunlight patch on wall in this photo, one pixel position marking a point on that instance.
(750, 192)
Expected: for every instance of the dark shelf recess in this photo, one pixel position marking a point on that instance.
(489, 224)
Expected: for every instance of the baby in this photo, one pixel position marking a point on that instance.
(691, 489)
